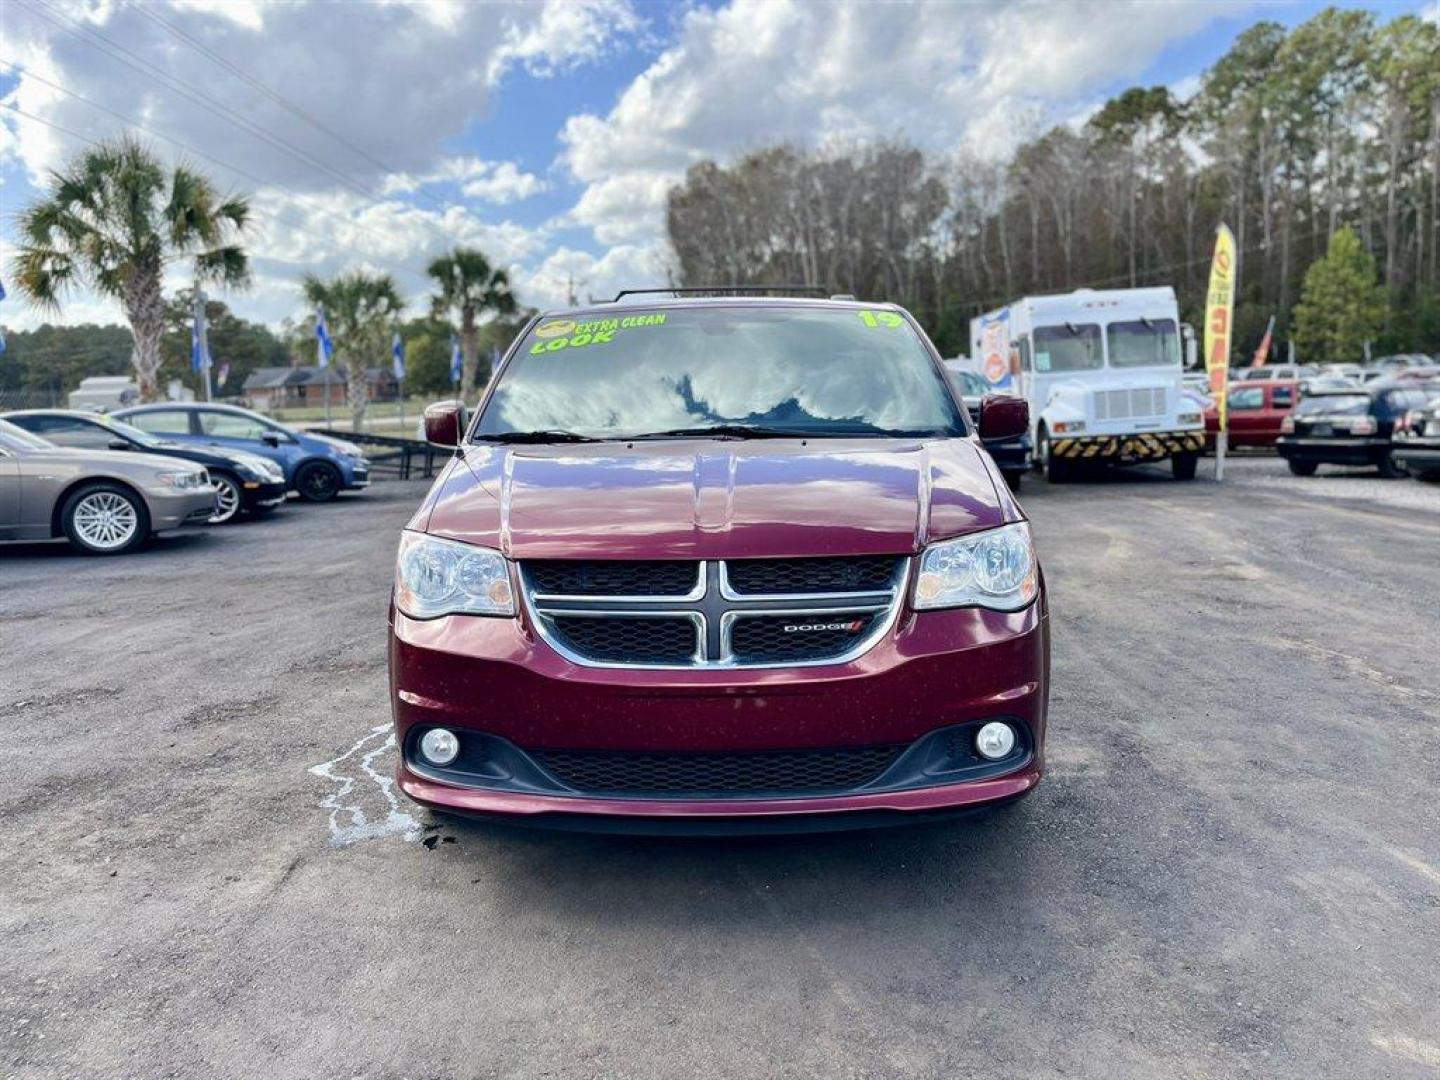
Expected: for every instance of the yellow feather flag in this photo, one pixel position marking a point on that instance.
(1219, 319)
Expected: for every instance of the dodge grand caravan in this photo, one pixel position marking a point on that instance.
(719, 564)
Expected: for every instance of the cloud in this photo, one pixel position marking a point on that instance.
(755, 72)
(498, 182)
(622, 266)
(387, 85)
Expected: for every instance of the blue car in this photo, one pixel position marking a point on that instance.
(316, 466)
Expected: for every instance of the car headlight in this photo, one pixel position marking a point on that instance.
(435, 577)
(184, 480)
(993, 569)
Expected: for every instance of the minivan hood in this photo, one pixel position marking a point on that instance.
(703, 499)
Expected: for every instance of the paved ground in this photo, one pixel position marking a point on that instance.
(1233, 869)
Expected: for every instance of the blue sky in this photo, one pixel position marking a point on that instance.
(548, 133)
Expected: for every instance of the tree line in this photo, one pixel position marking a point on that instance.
(1292, 136)
(116, 220)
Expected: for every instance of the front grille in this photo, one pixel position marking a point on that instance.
(1129, 404)
(713, 614)
(771, 639)
(599, 577)
(788, 576)
(768, 771)
(622, 640)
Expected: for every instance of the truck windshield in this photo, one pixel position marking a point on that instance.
(1144, 343)
(778, 370)
(1068, 347)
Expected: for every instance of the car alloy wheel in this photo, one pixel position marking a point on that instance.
(227, 499)
(105, 520)
(318, 483)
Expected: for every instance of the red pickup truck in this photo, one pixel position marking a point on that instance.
(1257, 411)
(720, 565)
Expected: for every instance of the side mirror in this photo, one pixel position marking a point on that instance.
(445, 423)
(1003, 417)
(270, 438)
(117, 444)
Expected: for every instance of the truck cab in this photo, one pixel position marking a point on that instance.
(1101, 371)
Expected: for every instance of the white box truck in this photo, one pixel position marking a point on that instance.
(1101, 370)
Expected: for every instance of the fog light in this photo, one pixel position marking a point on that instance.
(439, 746)
(994, 741)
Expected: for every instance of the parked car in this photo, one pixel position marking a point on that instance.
(1255, 413)
(317, 466)
(676, 579)
(1416, 446)
(1013, 454)
(1314, 384)
(1268, 372)
(1349, 427)
(244, 483)
(104, 502)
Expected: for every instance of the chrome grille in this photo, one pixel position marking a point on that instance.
(1145, 401)
(741, 613)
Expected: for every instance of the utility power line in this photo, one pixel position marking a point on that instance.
(186, 147)
(273, 95)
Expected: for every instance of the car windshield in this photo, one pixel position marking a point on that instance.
(129, 431)
(1334, 405)
(17, 438)
(1068, 348)
(1144, 343)
(971, 385)
(732, 370)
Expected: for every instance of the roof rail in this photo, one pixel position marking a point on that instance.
(726, 290)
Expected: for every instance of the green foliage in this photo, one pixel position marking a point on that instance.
(467, 287)
(1342, 305)
(243, 345)
(50, 361)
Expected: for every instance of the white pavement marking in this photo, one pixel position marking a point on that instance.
(349, 822)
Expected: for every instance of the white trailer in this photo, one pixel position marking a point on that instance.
(1102, 373)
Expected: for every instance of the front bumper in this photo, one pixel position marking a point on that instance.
(1119, 449)
(170, 509)
(358, 475)
(263, 496)
(494, 681)
(1335, 450)
(1418, 455)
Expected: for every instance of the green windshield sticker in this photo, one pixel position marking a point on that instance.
(887, 319)
(568, 334)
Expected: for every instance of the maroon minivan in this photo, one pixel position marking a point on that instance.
(719, 564)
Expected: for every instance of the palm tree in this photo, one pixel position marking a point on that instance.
(469, 286)
(359, 309)
(113, 220)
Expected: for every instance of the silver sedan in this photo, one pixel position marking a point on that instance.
(103, 501)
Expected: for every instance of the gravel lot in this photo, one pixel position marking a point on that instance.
(1232, 869)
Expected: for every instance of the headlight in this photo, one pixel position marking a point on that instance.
(1069, 427)
(1189, 418)
(435, 577)
(185, 480)
(993, 569)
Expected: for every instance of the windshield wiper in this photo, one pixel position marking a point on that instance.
(731, 431)
(553, 436)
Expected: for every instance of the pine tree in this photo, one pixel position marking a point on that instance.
(1342, 304)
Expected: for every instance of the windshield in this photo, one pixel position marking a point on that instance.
(1334, 405)
(792, 370)
(129, 431)
(1068, 348)
(17, 438)
(1144, 343)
